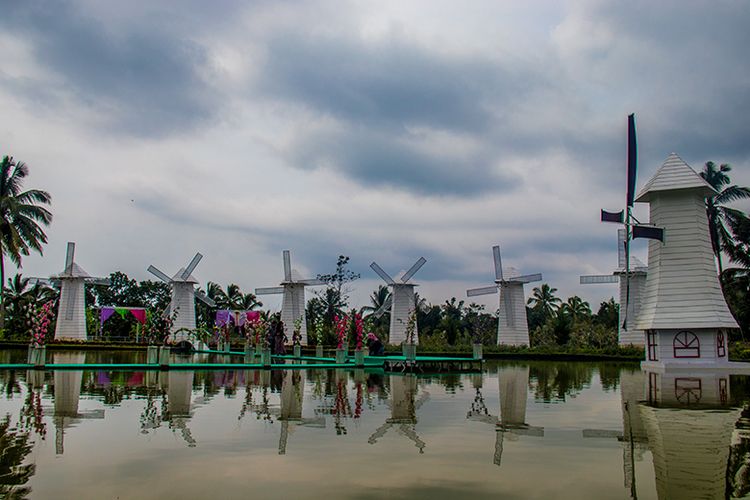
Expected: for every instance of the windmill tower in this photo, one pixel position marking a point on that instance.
(512, 327)
(183, 297)
(293, 301)
(683, 311)
(627, 333)
(402, 301)
(71, 314)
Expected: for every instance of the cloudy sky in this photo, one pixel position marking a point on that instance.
(380, 130)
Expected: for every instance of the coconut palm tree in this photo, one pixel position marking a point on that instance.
(378, 299)
(543, 299)
(575, 308)
(722, 219)
(22, 217)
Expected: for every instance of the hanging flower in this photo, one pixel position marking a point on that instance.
(40, 324)
(340, 325)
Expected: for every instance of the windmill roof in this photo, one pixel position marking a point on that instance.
(189, 279)
(74, 271)
(674, 174)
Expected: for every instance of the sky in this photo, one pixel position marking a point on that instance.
(383, 131)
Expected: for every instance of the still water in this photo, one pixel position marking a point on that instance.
(519, 430)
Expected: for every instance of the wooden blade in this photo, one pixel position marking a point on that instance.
(487, 290)
(205, 299)
(382, 309)
(99, 281)
(69, 255)
(159, 274)
(498, 263)
(287, 266)
(312, 282)
(191, 267)
(386, 277)
(598, 278)
(527, 278)
(413, 269)
(269, 290)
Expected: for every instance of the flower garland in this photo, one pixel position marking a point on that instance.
(40, 324)
(340, 324)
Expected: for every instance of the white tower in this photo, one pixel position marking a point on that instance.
(293, 301)
(629, 309)
(512, 326)
(683, 310)
(183, 298)
(401, 301)
(71, 314)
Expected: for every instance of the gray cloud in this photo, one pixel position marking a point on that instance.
(147, 80)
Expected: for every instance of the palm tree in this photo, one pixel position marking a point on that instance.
(575, 308)
(543, 299)
(722, 219)
(378, 299)
(20, 230)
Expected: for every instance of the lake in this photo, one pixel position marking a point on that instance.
(518, 430)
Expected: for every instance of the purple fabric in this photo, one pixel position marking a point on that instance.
(106, 313)
(223, 317)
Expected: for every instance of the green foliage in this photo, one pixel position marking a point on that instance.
(22, 217)
(736, 285)
(15, 446)
(21, 301)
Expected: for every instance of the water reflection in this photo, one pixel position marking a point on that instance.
(662, 435)
(404, 405)
(67, 396)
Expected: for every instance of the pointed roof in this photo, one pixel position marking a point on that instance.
(74, 271)
(672, 175)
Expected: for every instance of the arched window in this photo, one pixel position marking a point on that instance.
(686, 345)
(721, 349)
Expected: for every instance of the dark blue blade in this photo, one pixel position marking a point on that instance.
(650, 232)
(613, 216)
(632, 159)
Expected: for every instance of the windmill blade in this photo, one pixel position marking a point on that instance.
(204, 298)
(99, 281)
(287, 266)
(616, 217)
(527, 278)
(595, 279)
(159, 274)
(487, 290)
(40, 281)
(69, 255)
(508, 303)
(312, 282)
(191, 267)
(498, 263)
(632, 160)
(271, 290)
(413, 269)
(386, 277)
(383, 308)
(621, 248)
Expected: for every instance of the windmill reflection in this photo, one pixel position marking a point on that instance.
(404, 406)
(290, 416)
(689, 425)
(178, 387)
(67, 395)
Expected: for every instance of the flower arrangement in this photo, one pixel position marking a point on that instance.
(259, 327)
(319, 328)
(297, 334)
(340, 324)
(358, 330)
(411, 326)
(40, 324)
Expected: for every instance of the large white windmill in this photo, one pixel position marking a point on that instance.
(183, 297)
(401, 301)
(512, 326)
(630, 303)
(71, 313)
(293, 301)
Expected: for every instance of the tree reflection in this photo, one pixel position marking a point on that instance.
(14, 447)
(555, 382)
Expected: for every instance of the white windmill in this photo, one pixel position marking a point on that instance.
(183, 297)
(401, 301)
(293, 301)
(512, 327)
(71, 314)
(637, 272)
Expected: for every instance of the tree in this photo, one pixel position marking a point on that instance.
(544, 300)
(339, 278)
(22, 298)
(22, 217)
(736, 285)
(608, 314)
(722, 219)
(378, 299)
(576, 309)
